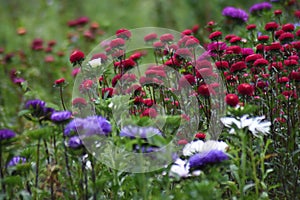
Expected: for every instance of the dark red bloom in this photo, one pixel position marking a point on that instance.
(276, 65)
(290, 62)
(166, 38)
(150, 37)
(137, 55)
(232, 99)
(260, 62)
(222, 65)
(79, 102)
(82, 20)
(37, 44)
(278, 33)
(298, 33)
(117, 43)
(297, 14)
(195, 28)
(76, 57)
(123, 33)
(182, 142)
(100, 55)
(283, 79)
(186, 32)
(286, 37)
(158, 45)
(295, 75)
(204, 90)
(233, 49)
(251, 27)
(271, 26)
(192, 42)
(187, 80)
(277, 12)
(107, 92)
(263, 38)
(59, 81)
(200, 136)
(150, 112)
(86, 84)
(275, 46)
(229, 36)
(183, 53)
(245, 89)
(252, 58)
(288, 27)
(238, 66)
(215, 35)
(235, 39)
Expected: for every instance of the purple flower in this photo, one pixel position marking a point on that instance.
(88, 126)
(74, 126)
(61, 116)
(211, 157)
(146, 149)
(16, 160)
(139, 132)
(247, 51)
(216, 47)
(6, 134)
(36, 106)
(74, 142)
(96, 125)
(260, 6)
(235, 13)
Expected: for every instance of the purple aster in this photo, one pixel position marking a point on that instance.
(216, 47)
(235, 13)
(36, 106)
(6, 134)
(260, 7)
(96, 125)
(16, 160)
(74, 142)
(211, 157)
(75, 125)
(247, 51)
(139, 132)
(61, 116)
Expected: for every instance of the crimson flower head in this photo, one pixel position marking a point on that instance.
(166, 38)
(251, 27)
(76, 57)
(232, 99)
(200, 136)
(150, 112)
(123, 33)
(59, 82)
(150, 37)
(245, 89)
(288, 27)
(271, 26)
(215, 35)
(277, 12)
(117, 43)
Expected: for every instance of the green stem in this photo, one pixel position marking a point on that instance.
(1, 171)
(243, 163)
(61, 97)
(37, 163)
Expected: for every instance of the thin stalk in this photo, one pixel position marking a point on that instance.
(37, 163)
(1, 171)
(61, 97)
(67, 162)
(93, 178)
(243, 163)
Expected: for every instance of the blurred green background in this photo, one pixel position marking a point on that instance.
(48, 19)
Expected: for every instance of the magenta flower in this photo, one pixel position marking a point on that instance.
(235, 13)
(260, 7)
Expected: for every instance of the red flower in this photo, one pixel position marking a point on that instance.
(150, 112)
(252, 57)
(182, 142)
(107, 92)
(286, 37)
(166, 38)
(232, 99)
(86, 84)
(276, 65)
(238, 66)
(263, 38)
(204, 90)
(245, 89)
(298, 33)
(278, 33)
(283, 79)
(261, 84)
(137, 55)
(186, 32)
(76, 57)
(215, 35)
(195, 28)
(200, 136)
(235, 39)
(260, 62)
(222, 65)
(204, 72)
(37, 44)
(288, 27)
(290, 62)
(275, 46)
(297, 14)
(277, 12)
(187, 80)
(251, 27)
(158, 45)
(192, 42)
(233, 49)
(100, 55)
(79, 102)
(150, 37)
(295, 76)
(271, 26)
(183, 53)
(229, 36)
(123, 33)
(116, 43)
(59, 81)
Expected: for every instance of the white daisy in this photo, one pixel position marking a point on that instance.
(95, 62)
(180, 168)
(192, 148)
